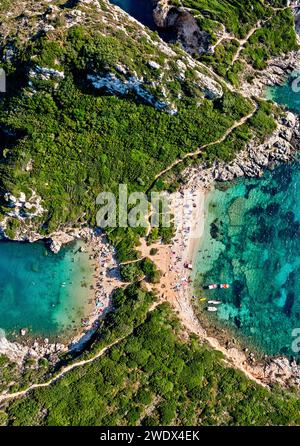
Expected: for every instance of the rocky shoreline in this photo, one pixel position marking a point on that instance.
(275, 74)
(281, 147)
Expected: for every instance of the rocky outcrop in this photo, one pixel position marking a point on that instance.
(252, 162)
(45, 74)
(18, 352)
(19, 212)
(112, 84)
(268, 371)
(275, 74)
(282, 371)
(60, 238)
(21, 207)
(55, 246)
(193, 40)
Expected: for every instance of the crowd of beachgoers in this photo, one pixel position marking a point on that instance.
(106, 279)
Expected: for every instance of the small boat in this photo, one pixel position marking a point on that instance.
(212, 309)
(212, 286)
(224, 285)
(202, 299)
(214, 302)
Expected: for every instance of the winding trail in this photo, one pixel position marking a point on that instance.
(237, 124)
(55, 378)
(68, 368)
(191, 323)
(225, 36)
(230, 87)
(243, 42)
(259, 25)
(193, 328)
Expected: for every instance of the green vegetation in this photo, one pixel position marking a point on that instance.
(262, 121)
(260, 126)
(130, 308)
(276, 37)
(153, 378)
(4, 5)
(139, 270)
(238, 19)
(222, 57)
(14, 378)
(275, 34)
(79, 141)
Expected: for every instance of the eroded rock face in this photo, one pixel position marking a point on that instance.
(114, 85)
(18, 352)
(21, 207)
(193, 40)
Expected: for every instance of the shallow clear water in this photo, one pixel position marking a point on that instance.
(41, 291)
(252, 241)
(287, 94)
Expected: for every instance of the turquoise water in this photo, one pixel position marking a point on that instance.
(286, 94)
(41, 291)
(252, 241)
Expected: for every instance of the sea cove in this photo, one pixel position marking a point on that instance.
(46, 294)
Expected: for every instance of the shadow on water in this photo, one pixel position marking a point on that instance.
(70, 4)
(142, 11)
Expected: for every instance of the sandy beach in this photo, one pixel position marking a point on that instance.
(176, 263)
(106, 279)
(175, 260)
